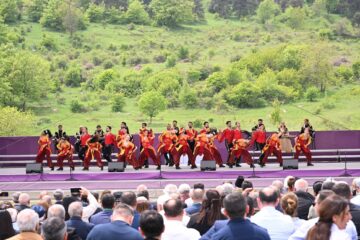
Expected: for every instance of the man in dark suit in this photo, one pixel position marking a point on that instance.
(129, 198)
(218, 225)
(305, 199)
(107, 202)
(197, 196)
(239, 227)
(119, 228)
(82, 228)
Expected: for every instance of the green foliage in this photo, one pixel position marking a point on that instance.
(152, 103)
(73, 76)
(267, 10)
(48, 43)
(102, 79)
(52, 16)
(14, 122)
(172, 12)
(326, 34)
(183, 53)
(136, 13)
(295, 17)
(170, 62)
(221, 7)
(77, 107)
(311, 94)
(245, 95)
(275, 115)
(35, 9)
(216, 82)
(95, 13)
(117, 103)
(9, 11)
(356, 70)
(188, 98)
(344, 74)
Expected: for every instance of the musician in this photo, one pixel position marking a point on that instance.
(284, 136)
(167, 146)
(78, 136)
(84, 137)
(147, 151)
(100, 133)
(65, 151)
(272, 147)
(228, 135)
(176, 128)
(109, 142)
(127, 151)
(58, 135)
(183, 148)
(302, 143)
(192, 134)
(150, 133)
(308, 126)
(259, 138)
(240, 150)
(45, 149)
(93, 152)
(260, 122)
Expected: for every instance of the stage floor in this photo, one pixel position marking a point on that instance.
(15, 179)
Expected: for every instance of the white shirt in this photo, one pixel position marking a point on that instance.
(301, 233)
(90, 209)
(356, 200)
(175, 230)
(189, 202)
(338, 234)
(278, 225)
(185, 220)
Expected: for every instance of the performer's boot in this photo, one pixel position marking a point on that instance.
(177, 167)
(252, 165)
(158, 167)
(146, 163)
(60, 169)
(310, 164)
(193, 166)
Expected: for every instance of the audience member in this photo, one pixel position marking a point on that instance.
(58, 196)
(289, 204)
(279, 185)
(6, 225)
(199, 185)
(168, 190)
(151, 225)
(24, 202)
(327, 185)
(356, 186)
(239, 181)
(15, 197)
(13, 214)
(316, 188)
(239, 227)
(209, 213)
(142, 204)
(279, 226)
(28, 223)
(305, 199)
(246, 185)
(121, 220)
(129, 198)
(227, 189)
(54, 228)
(184, 191)
(197, 196)
(174, 227)
(82, 228)
(107, 202)
(58, 211)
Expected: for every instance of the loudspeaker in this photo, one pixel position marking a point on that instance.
(208, 165)
(116, 167)
(34, 168)
(290, 164)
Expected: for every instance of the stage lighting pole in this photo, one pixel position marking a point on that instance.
(345, 174)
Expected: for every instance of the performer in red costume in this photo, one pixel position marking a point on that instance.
(192, 134)
(93, 151)
(259, 138)
(167, 146)
(45, 149)
(150, 135)
(147, 151)
(109, 143)
(228, 135)
(66, 151)
(127, 151)
(302, 143)
(84, 137)
(183, 148)
(240, 150)
(237, 136)
(272, 147)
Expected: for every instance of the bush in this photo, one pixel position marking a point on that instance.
(345, 74)
(136, 13)
(77, 107)
(328, 104)
(108, 64)
(73, 76)
(326, 34)
(183, 53)
(118, 103)
(48, 43)
(95, 13)
(97, 61)
(216, 81)
(170, 62)
(193, 76)
(198, 123)
(103, 78)
(311, 94)
(188, 98)
(356, 70)
(245, 95)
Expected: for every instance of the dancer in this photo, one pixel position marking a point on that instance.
(85, 136)
(259, 138)
(127, 151)
(228, 135)
(78, 142)
(302, 143)
(192, 134)
(100, 133)
(176, 128)
(260, 122)
(58, 135)
(147, 151)
(237, 136)
(272, 147)
(240, 150)
(150, 135)
(66, 151)
(167, 146)
(109, 142)
(45, 149)
(93, 151)
(183, 148)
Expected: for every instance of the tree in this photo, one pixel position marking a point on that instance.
(152, 103)
(3, 32)
(267, 10)
(95, 13)
(52, 18)
(245, 95)
(9, 11)
(275, 115)
(221, 7)
(295, 17)
(117, 103)
(14, 122)
(73, 76)
(102, 79)
(199, 10)
(188, 97)
(311, 94)
(35, 9)
(136, 13)
(356, 19)
(171, 13)
(71, 17)
(244, 8)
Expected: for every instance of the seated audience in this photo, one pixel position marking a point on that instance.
(184, 191)
(82, 228)
(356, 186)
(24, 202)
(6, 225)
(197, 196)
(305, 199)
(142, 204)
(58, 196)
(289, 204)
(129, 198)
(28, 223)
(54, 228)
(316, 188)
(151, 225)
(107, 202)
(168, 191)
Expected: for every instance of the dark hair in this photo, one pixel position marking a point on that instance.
(173, 208)
(199, 185)
(205, 122)
(246, 184)
(227, 122)
(96, 195)
(142, 206)
(126, 124)
(317, 187)
(270, 197)
(108, 201)
(6, 227)
(289, 203)
(128, 198)
(152, 224)
(235, 205)
(327, 185)
(332, 205)
(190, 122)
(109, 127)
(343, 190)
(260, 120)
(291, 183)
(117, 195)
(175, 121)
(145, 124)
(211, 208)
(251, 203)
(66, 203)
(239, 181)
(144, 193)
(98, 126)
(54, 228)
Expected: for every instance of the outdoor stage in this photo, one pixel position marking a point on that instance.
(15, 179)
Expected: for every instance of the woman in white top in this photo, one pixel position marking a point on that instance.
(334, 214)
(289, 203)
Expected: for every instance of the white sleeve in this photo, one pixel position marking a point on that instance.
(89, 210)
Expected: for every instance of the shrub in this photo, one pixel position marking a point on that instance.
(108, 64)
(245, 95)
(183, 53)
(118, 103)
(103, 78)
(311, 94)
(198, 123)
(95, 13)
(48, 43)
(77, 107)
(170, 62)
(136, 13)
(344, 74)
(73, 76)
(188, 98)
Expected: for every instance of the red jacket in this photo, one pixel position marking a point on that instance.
(227, 134)
(191, 133)
(84, 138)
(110, 139)
(237, 134)
(259, 137)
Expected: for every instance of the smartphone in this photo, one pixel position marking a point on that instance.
(75, 191)
(4, 194)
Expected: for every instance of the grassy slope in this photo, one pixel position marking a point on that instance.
(213, 35)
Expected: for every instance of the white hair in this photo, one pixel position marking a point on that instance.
(56, 210)
(356, 182)
(141, 188)
(75, 209)
(184, 188)
(24, 199)
(227, 188)
(27, 220)
(13, 213)
(170, 189)
(220, 189)
(301, 185)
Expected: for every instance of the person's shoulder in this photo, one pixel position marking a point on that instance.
(259, 230)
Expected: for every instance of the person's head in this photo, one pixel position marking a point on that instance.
(47, 199)
(250, 211)
(211, 207)
(323, 194)
(24, 199)
(144, 125)
(239, 181)
(129, 198)
(279, 185)
(168, 127)
(98, 127)
(184, 191)
(190, 124)
(327, 185)
(246, 184)
(170, 189)
(206, 124)
(107, 201)
(123, 125)
(301, 185)
(151, 224)
(228, 124)
(142, 204)
(289, 183)
(317, 187)
(289, 203)
(199, 185)
(6, 227)
(141, 187)
(173, 209)
(75, 209)
(260, 121)
(237, 124)
(60, 127)
(306, 121)
(15, 197)
(197, 195)
(332, 210)
(356, 185)
(261, 127)
(54, 228)
(343, 190)
(268, 196)
(235, 205)
(175, 123)
(123, 212)
(227, 189)
(108, 129)
(28, 221)
(56, 210)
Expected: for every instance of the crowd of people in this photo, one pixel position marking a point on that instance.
(174, 142)
(286, 210)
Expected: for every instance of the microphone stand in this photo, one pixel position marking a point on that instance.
(253, 175)
(346, 173)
